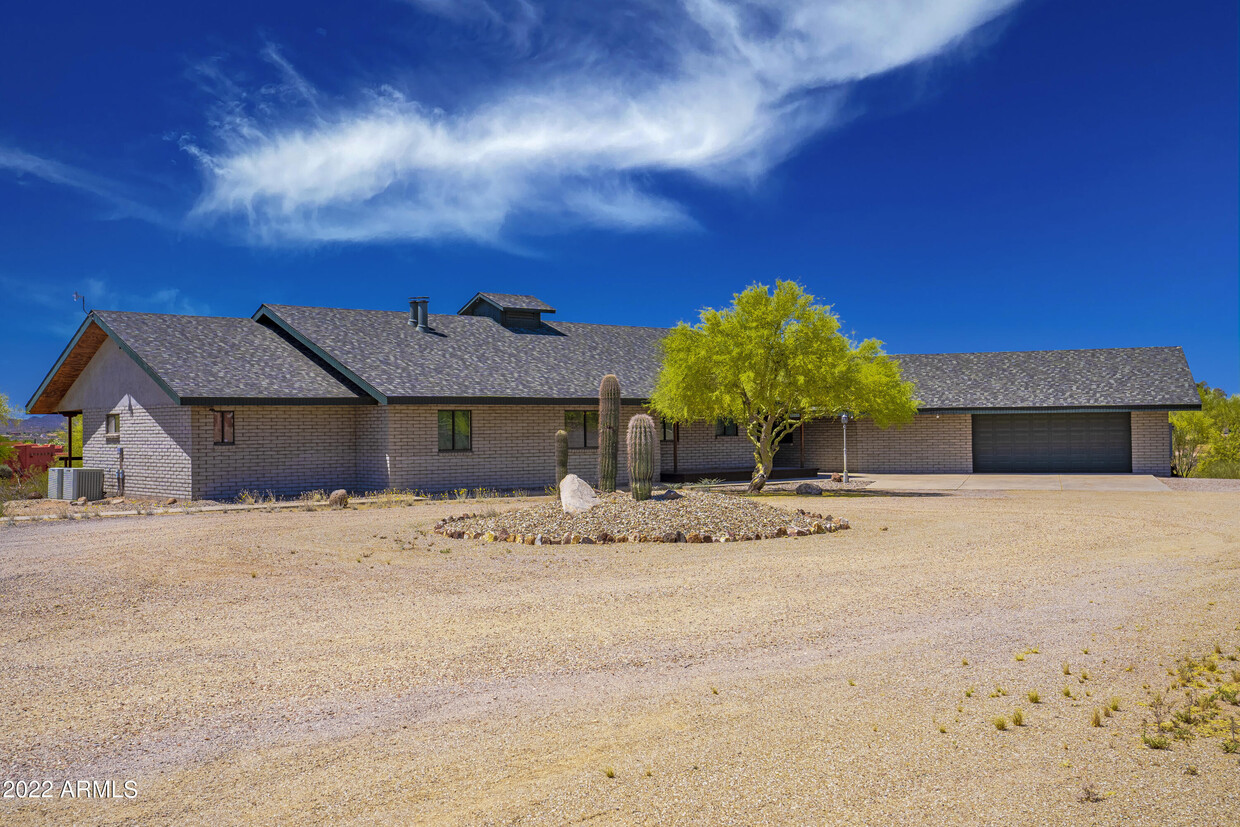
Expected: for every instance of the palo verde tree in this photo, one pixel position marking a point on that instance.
(772, 362)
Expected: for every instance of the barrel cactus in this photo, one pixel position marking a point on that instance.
(561, 456)
(608, 432)
(643, 446)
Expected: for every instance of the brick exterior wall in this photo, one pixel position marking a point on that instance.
(284, 450)
(698, 449)
(1151, 443)
(156, 443)
(929, 444)
(154, 431)
(513, 446)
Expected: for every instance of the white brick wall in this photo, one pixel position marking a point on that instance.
(929, 444)
(284, 449)
(1151, 443)
(157, 445)
(513, 447)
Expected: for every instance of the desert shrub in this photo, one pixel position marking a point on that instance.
(1219, 468)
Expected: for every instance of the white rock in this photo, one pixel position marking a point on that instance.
(576, 495)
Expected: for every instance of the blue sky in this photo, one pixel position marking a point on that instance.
(953, 175)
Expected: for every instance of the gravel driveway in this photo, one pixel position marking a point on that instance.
(352, 667)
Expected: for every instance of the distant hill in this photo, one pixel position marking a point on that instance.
(34, 425)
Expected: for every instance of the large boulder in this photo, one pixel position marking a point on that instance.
(576, 495)
(338, 499)
(808, 489)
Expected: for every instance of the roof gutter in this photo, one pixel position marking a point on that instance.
(1061, 409)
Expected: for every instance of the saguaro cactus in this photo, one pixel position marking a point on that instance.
(608, 432)
(642, 443)
(561, 456)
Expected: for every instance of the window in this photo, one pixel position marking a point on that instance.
(725, 427)
(582, 427)
(455, 433)
(112, 425)
(223, 427)
(669, 431)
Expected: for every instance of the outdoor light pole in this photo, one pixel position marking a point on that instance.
(79, 297)
(844, 422)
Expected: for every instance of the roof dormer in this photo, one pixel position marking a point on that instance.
(511, 311)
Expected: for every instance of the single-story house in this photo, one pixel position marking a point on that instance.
(303, 398)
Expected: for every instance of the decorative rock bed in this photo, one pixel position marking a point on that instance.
(671, 517)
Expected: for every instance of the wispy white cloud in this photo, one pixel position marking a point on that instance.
(722, 90)
(113, 194)
(47, 306)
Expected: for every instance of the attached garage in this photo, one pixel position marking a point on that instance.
(1099, 443)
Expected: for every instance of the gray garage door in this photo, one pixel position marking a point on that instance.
(1053, 443)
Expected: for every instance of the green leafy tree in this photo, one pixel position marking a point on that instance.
(773, 362)
(6, 418)
(1190, 437)
(1206, 443)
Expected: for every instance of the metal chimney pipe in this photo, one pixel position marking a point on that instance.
(417, 312)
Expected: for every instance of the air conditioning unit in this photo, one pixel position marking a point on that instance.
(83, 482)
(55, 483)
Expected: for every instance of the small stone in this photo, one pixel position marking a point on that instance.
(797, 532)
(670, 494)
(529, 539)
(489, 537)
(587, 541)
(694, 537)
(539, 540)
(620, 538)
(680, 537)
(576, 539)
(837, 477)
(170, 501)
(844, 523)
(80, 501)
(816, 528)
(781, 532)
(830, 528)
(116, 500)
(706, 538)
(566, 539)
(808, 489)
(338, 498)
(669, 536)
(602, 537)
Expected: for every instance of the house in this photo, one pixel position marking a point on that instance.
(302, 398)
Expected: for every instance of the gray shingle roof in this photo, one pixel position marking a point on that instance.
(1107, 377)
(209, 357)
(513, 301)
(466, 356)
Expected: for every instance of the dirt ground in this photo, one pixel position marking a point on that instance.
(352, 667)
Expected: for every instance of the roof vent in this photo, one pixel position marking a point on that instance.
(418, 313)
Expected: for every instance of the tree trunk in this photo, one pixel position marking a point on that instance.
(764, 458)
